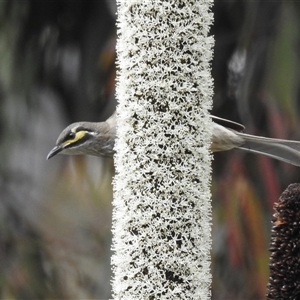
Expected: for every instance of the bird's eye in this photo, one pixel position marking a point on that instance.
(71, 135)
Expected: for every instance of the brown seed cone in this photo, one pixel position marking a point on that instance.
(284, 281)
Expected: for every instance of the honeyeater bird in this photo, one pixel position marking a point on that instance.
(98, 139)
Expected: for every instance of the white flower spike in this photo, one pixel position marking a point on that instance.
(162, 201)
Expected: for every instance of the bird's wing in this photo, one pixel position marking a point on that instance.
(228, 124)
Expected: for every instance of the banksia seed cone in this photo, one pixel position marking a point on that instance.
(284, 281)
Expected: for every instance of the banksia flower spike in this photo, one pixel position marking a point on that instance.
(284, 282)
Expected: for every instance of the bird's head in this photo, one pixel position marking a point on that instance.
(85, 138)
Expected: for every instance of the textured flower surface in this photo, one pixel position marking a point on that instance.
(162, 210)
(284, 246)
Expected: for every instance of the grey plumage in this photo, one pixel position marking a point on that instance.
(98, 139)
(86, 138)
(287, 151)
(229, 137)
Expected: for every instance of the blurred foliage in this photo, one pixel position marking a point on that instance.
(261, 90)
(57, 66)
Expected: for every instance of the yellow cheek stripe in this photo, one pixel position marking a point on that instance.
(79, 135)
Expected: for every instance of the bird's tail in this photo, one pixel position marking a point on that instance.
(287, 151)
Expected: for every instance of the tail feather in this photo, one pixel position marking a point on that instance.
(287, 151)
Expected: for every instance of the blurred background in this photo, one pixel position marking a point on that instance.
(57, 67)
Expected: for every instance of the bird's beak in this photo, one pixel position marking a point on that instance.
(54, 151)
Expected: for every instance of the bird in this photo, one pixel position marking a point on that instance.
(87, 138)
(98, 138)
